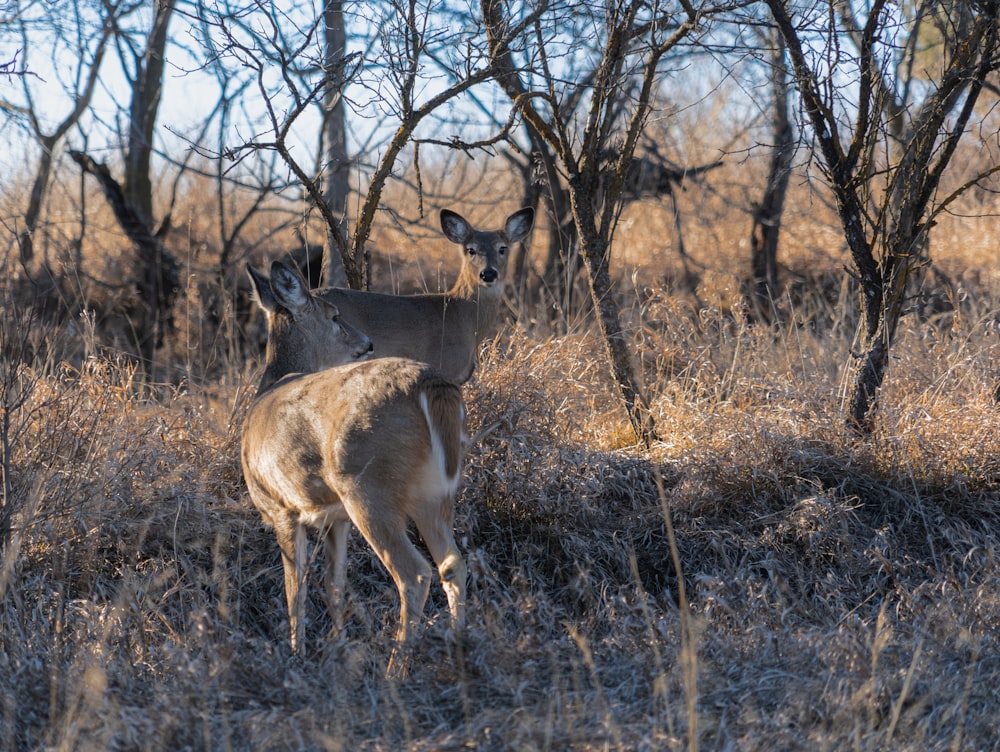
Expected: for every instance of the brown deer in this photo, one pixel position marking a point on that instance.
(441, 329)
(377, 443)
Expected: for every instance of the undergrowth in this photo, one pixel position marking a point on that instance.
(833, 592)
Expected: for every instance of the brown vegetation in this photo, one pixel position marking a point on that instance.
(834, 592)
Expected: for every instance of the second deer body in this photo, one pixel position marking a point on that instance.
(377, 443)
(441, 329)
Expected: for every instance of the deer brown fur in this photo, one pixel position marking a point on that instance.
(444, 330)
(331, 441)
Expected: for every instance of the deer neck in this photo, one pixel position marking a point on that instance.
(281, 360)
(485, 300)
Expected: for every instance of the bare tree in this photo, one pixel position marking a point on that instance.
(636, 37)
(257, 42)
(143, 57)
(885, 179)
(650, 175)
(52, 35)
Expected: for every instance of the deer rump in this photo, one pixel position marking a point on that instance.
(349, 441)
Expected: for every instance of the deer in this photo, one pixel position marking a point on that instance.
(334, 438)
(446, 329)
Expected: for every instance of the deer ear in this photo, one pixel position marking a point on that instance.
(455, 228)
(262, 290)
(519, 224)
(289, 288)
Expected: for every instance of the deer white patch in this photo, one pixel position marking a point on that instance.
(439, 480)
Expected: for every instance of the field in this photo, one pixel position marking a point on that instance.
(759, 579)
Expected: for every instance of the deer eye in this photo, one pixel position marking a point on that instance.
(471, 250)
(502, 250)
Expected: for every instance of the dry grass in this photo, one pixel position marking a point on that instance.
(833, 593)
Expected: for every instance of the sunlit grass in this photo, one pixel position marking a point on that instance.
(839, 593)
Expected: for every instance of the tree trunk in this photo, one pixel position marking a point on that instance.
(766, 226)
(147, 90)
(562, 260)
(338, 165)
(39, 188)
(595, 252)
(158, 271)
(902, 263)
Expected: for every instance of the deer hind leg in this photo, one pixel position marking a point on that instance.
(436, 525)
(336, 571)
(294, 547)
(385, 531)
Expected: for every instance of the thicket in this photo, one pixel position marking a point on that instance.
(759, 578)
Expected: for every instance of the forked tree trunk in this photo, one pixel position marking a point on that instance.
(581, 155)
(900, 224)
(883, 309)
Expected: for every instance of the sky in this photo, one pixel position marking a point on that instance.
(191, 91)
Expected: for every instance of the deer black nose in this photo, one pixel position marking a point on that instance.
(489, 276)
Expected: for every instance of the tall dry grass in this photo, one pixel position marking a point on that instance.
(759, 579)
